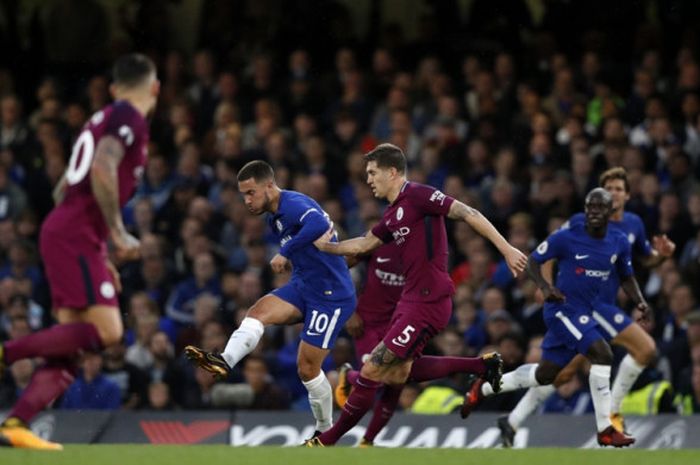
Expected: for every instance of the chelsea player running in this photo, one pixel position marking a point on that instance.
(618, 328)
(320, 292)
(588, 254)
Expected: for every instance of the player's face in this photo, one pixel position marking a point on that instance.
(620, 196)
(597, 211)
(255, 195)
(379, 179)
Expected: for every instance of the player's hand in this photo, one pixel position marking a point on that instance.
(116, 278)
(641, 312)
(325, 238)
(663, 245)
(280, 264)
(517, 261)
(553, 295)
(126, 246)
(355, 326)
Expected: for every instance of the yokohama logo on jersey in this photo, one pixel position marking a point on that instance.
(604, 275)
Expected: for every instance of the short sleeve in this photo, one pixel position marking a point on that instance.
(430, 201)
(641, 243)
(624, 259)
(381, 231)
(551, 247)
(123, 124)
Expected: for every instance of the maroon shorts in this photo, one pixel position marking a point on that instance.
(77, 273)
(373, 334)
(414, 323)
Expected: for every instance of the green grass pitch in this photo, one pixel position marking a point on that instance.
(214, 455)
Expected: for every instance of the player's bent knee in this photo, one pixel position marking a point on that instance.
(600, 353)
(545, 375)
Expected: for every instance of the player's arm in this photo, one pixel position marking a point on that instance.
(59, 190)
(356, 246)
(627, 279)
(515, 258)
(105, 187)
(551, 293)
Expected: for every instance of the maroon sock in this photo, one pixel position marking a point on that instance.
(428, 368)
(383, 411)
(360, 401)
(60, 341)
(48, 382)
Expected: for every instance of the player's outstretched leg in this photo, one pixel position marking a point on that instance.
(507, 432)
(384, 409)
(533, 398)
(429, 368)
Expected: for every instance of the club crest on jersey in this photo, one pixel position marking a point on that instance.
(127, 134)
(97, 117)
(399, 213)
(619, 318)
(613, 259)
(631, 237)
(138, 173)
(542, 248)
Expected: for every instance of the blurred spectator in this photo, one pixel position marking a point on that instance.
(92, 390)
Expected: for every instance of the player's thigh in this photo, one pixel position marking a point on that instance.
(106, 319)
(273, 309)
(638, 343)
(386, 367)
(309, 360)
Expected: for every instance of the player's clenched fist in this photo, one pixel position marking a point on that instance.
(279, 264)
(126, 246)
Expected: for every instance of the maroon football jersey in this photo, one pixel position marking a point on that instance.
(383, 286)
(415, 223)
(79, 215)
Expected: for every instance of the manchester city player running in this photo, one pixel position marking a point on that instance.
(320, 292)
(588, 255)
(414, 221)
(618, 327)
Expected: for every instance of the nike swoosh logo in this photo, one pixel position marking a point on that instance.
(311, 333)
(383, 260)
(581, 257)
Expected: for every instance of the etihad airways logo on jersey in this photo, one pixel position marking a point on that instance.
(389, 279)
(400, 234)
(601, 274)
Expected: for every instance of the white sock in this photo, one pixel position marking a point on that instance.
(243, 340)
(627, 374)
(521, 377)
(599, 382)
(321, 400)
(533, 398)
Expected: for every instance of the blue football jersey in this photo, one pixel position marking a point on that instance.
(298, 222)
(632, 227)
(586, 264)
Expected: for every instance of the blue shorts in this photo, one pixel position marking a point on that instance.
(611, 320)
(570, 331)
(323, 318)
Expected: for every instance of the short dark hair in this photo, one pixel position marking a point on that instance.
(258, 170)
(132, 69)
(615, 173)
(387, 156)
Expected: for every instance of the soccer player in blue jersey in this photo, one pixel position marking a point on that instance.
(588, 255)
(617, 326)
(320, 292)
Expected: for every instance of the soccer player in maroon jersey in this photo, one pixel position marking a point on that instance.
(106, 163)
(414, 221)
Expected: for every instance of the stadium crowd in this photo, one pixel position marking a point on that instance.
(514, 116)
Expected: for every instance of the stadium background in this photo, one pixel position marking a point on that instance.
(513, 107)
